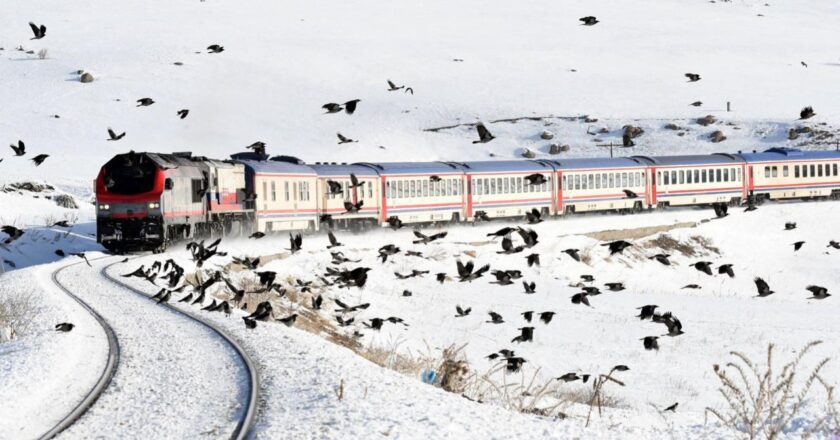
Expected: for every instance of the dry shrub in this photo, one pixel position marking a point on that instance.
(15, 315)
(526, 395)
(762, 402)
(670, 244)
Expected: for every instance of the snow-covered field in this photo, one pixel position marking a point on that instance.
(465, 61)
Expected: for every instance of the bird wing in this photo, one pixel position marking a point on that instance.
(507, 244)
(420, 235)
(331, 236)
(482, 131)
(35, 29)
(341, 137)
(354, 180)
(391, 84)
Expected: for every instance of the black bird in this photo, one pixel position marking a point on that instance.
(692, 77)
(339, 258)
(257, 235)
(466, 273)
(409, 90)
(39, 159)
(798, 245)
(617, 247)
(333, 241)
(426, 239)
(533, 259)
(503, 277)
(833, 244)
(258, 147)
(696, 103)
(210, 307)
(806, 113)
(13, 233)
(662, 258)
(295, 242)
(344, 139)
(332, 107)
(262, 312)
(726, 269)
(507, 353)
(64, 327)
(615, 287)
(145, 102)
(39, 31)
(587, 278)
(317, 301)
(569, 377)
(672, 408)
(514, 364)
(529, 236)
(789, 226)
(183, 113)
(388, 250)
(630, 194)
(375, 323)
(509, 248)
(502, 232)
(344, 322)
(249, 323)
(60, 253)
(533, 216)
(215, 48)
(462, 312)
(526, 335)
(691, 286)
(574, 253)
(63, 224)
(82, 256)
(591, 290)
(20, 150)
(530, 287)
(620, 368)
(267, 277)
(581, 298)
(546, 317)
(354, 181)
(481, 216)
(495, 318)
(589, 21)
(536, 179)
(325, 218)
(647, 311)
(350, 106)
(674, 325)
(113, 136)
(819, 292)
(440, 277)
(435, 178)
(393, 87)
(528, 315)
(651, 343)
(394, 222)
(289, 320)
(335, 188)
(703, 266)
(484, 134)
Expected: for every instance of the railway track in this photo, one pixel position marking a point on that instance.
(248, 415)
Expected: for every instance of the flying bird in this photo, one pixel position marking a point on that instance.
(651, 343)
(333, 241)
(536, 179)
(726, 269)
(647, 311)
(64, 327)
(461, 312)
(662, 258)
(530, 288)
(703, 266)
(352, 208)
(546, 317)
(526, 335)
(617, 247)
(574, 253)
(630, 194)
(39, 31)
(672, 408)
(20, 150)
(113, 136)
(692, 77)
(615, 287)
(183, 113)
(533, 259)
(798, 245)
(581, 298)
(344, 139)
(426, 239)
(762, 287)
(696, 103)
(145, 102)
(295, 242)
(215, 48)
(350, 106)
(819, 292)
(484, 134)
(466, 272)
(39, 159)
(388, 250)
(257, 235)
(588, 21)
(789, 226)
(393, 87)
(495, 318)
(533, 216)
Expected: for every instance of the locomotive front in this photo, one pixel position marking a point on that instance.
(128, 203)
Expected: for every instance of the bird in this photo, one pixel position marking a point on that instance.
(798, 245)
(696, 103)
(502, 232)
(647, 311)
(530, 287)
(502, 277)
(574, 253)
(630, 194)
(650, 342)
(533, 216)
(528, 315)
(145, 102)
(332, 107)
(352, 208)
(581, 298)
(258, 147)
(591, 290)
(317, 301)
(674, 325)
(409, 90)
(726, 269)
(394, 222)
(615, 287)
(435, 178)
(295, 242)
(691, 286)
(672, 408)
(344, 308)
(819, 292)
(350, 106)
(249, 323)
(703, 266)
(546, 317)
(388, 250)
(588, 21)
(509, 248)
(762, 287)
(39, 31)
(393, 87)
(803, 63)
(183, 113)
(620, 368)
(587, 278)
(289, 320)
(662, 258)
(64, 327)
(13, 233)
(833, 244)
(20, 150)
(536, 179)
(692, 77)
(257, 235)
(60, 253)
(806, 113)
(495, 318)
(426, 239)
(39, 159)
(514, 364)
(484, 134)
(461, 312)
(334, 188)
(617, 247)
(569, 377)
(526, 335)
(529, 236)
(466, 272)
(113, 136)
(344, 139)
(333, 241)
(215, 48)
(481, 216)
(533, 259)
(789, 226)
(440, 277)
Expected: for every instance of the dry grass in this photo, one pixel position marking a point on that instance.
(16, 313)
(636, 233)
(762, 402)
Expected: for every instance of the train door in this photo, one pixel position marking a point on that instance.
(469, 193)
(559, 198)
(651, 197)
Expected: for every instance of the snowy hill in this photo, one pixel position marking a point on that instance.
(282, 61)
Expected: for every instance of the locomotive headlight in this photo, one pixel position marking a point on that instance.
(154, 205)
(104, 207)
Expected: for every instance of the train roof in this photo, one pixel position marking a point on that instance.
(607, 162)
(275, 167)
(431, 168)
(698, 159)
(789, 154)
(343, 169)
(495, 166)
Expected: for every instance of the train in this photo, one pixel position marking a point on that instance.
(146, 201)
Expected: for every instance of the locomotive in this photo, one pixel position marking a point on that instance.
(147, 200)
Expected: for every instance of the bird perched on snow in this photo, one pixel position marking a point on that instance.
(257, 235)
(617, 247)
(484, 134)
(589, 21)
(806, 113)
(344, 139)
(789, 226)
(145, 102)
(64, 327)
(215, 48)
(39, 159)
(115, 137)
(39, 31)
(819, 292)
(20, 150)
(762, 287)
(692, 77)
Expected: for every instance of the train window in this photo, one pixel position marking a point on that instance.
(638, 179)
(666, 177)
(674, 178)
(479, 189)
(499, 185)
(739, 174)
(273, 191)
(819, 170)
(703, 176)
(717, 175)
(612, 180)
(785, 171)
(583, 182)
(804, 170)
(796, 171)
(412, 189)
(264, 192)
(682, 177)
(505, 185)
(425, 188)
(726, 174)
(834, 169)
(370, 190)
(712, 176)
(198, 190)
(591, 181)
(576, 182)
(519, 185)
(696, 176)
(775, 171)
(295, 190)
(597, 181)
(813, 172)
(689, 177)
(448, 187)
(286, 188)
(659, 177)
(605, 181)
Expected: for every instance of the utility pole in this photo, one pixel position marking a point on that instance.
(611, 145)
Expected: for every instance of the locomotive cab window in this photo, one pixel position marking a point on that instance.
(197, 190)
